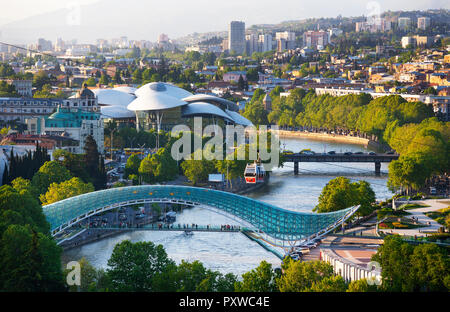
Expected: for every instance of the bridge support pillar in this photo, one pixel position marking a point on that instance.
(296, 168)
(377, 168)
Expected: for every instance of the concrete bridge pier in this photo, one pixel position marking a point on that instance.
(377, 168)
(296, 167)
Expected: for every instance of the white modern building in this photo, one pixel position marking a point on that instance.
(161, 105)
(113, 103)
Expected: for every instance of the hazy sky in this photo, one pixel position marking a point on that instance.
(13, 10)
(24, 20)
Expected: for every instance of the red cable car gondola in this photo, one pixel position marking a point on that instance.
(254, 173)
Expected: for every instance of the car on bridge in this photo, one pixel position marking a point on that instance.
(140, 215)
(348, 153)
(331, 153)
(372, 153)
(122, 217)
(307, 152)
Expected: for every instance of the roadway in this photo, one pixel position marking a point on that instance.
(375, 158)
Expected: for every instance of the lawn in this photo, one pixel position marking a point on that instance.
(412, 206)
(439, 215)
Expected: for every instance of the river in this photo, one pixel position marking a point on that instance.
(233, 252)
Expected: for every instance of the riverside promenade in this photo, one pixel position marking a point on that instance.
(321, 136)
(419, 215)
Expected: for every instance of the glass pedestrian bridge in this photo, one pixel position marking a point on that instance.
(277, 223)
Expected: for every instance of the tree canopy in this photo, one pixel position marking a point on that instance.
(65, 189)
(341, 193)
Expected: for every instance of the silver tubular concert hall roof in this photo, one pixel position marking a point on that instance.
(202, 108)
(112, 97)
(155, 101)
(212, 99)
(162, 87)
(116, 112)
(239, 119)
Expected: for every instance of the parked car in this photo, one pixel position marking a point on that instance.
(372, 153)
(348, 153)
(331, 153)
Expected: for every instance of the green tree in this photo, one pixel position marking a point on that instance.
(158, 167)
(256, 113)
(197, 170)
(393, 257)
(30, 261)
(117, 77)
(430, 268)
(340, 193)
(41, 78)
(7, 90)
(65, 189)
(104, 79)
(18, 206)
(361, 285)
(91, 279)
(46, 92)
(132, 166)
(91, 82)
(409, 171)
(94, 163)
(261, 279)
(329, 284)
(50, 172)
(241, 83)
(301, 276)
(75, 163)
(135, 266)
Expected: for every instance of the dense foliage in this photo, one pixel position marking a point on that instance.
(341, 193)
(408, 127)
(24, 166)
(29, 257)
(405, 267)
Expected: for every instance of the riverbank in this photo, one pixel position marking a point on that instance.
(322, 136)
(88, 238)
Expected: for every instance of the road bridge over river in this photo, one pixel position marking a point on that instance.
(377, 159)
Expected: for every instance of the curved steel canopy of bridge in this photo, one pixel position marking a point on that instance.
(277, 223)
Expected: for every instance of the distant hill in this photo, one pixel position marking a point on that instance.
(187, 21)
